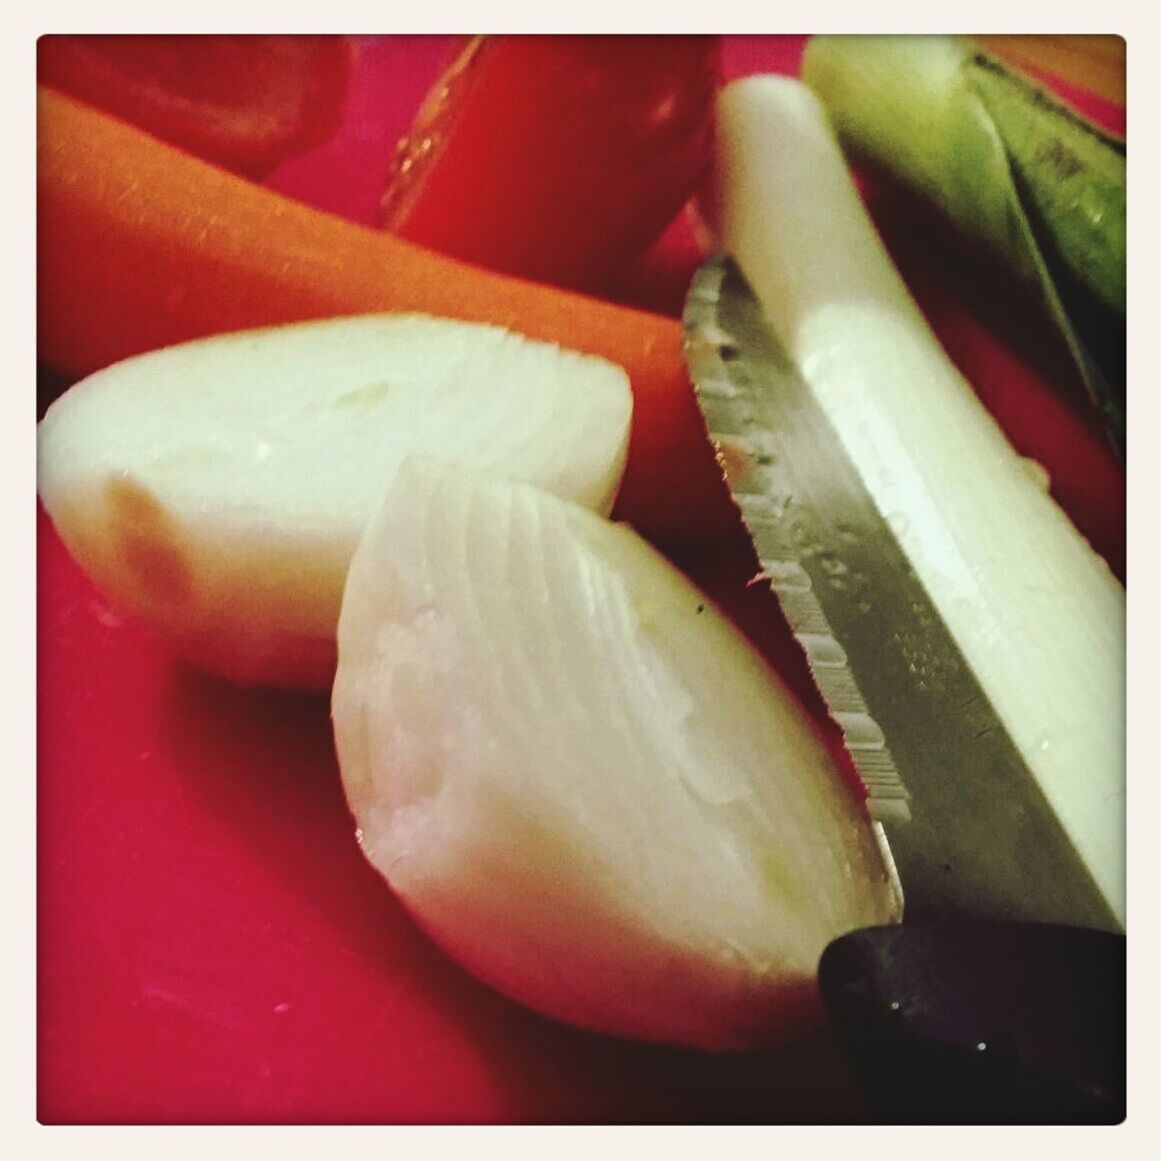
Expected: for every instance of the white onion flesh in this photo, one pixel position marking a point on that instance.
(218, 489)
(1037, 614)
(581, 779)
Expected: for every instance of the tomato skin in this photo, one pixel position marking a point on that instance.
(244, 102)
(557, 158)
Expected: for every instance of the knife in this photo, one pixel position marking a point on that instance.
(974, 1022)
(979, 851)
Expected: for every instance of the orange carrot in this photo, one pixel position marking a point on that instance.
(142, 246)
(1092, 62)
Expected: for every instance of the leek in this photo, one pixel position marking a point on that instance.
(1008, 164)
(1037, 614)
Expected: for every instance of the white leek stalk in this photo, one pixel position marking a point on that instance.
(1037, 614)
(582, 779)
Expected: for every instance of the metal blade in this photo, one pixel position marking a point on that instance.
(970, 830)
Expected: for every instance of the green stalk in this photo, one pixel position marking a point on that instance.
(1007, 163)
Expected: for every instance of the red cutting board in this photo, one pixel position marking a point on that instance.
(212, 946)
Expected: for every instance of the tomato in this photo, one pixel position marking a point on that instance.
(243, 102)
(557, 158)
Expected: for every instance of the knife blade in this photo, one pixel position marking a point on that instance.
(970, 831)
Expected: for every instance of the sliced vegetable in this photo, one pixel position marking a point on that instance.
(556, 158)
(245, 102)
(218, 489)
(581, 779)
(1008, 164)
(141, 247)
(1036, 613)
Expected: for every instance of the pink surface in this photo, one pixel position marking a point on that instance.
(212, 946)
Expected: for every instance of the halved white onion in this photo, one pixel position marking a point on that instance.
(581, 779)
(218, 488)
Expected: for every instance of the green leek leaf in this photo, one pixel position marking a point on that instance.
(1009, 164)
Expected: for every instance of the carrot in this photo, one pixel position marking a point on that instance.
(1092, 62)
(142, 246)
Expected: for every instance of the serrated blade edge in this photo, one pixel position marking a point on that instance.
(969, 827)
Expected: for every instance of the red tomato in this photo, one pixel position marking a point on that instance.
(244, 102)
(557, 158)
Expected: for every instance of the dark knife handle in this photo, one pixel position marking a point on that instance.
(982, 1023)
